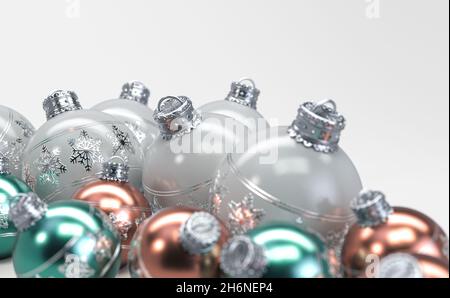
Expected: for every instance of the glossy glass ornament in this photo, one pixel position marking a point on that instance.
(178, 243)
(69, 149)
(382, 230)
(295, 174)
(15, 133)
(68, 239)
(10, 187)
(132, 110)
(124, 204)
(240, 104)
(276, 251)
(180, 166)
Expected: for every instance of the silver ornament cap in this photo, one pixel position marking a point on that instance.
(26, 210)
(371, 208)
(318, 126)
(59, 102)
(244, 92)
(115, 171)
(242, 258)
(175, 115)
(200, 233)
(135, 91)
(399, 265)
(4, 166)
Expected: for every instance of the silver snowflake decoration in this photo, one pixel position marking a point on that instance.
(75, 267)
(86, 151)
(136, 129)
(4, 224)
(29, 179)
(13, 151)
(50, 166)
(27, 130)
(121, 142)
(103, 248)
(122, 224)
(244, 216)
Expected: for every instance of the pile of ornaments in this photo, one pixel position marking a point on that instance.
(184, 193)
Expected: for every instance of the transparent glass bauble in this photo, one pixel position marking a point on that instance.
(68, 151)
(249, 117)
(135, 115)
(281, 180)
(15, 133)
(180, 171)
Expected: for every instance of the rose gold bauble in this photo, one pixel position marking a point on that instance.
(382, 231)
(122, 202)
(158, 250)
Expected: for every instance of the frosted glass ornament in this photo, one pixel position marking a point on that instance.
(240, 104)
(132, 110)
(296, 174)
(15, 133)
(180, 166)
(68, 150)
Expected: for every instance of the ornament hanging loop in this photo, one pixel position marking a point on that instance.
(135, 91)
(244, 92)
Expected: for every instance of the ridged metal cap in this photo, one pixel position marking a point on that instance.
(400, 265)
(200, 233)
(26, 210)
(175, 115)
(59, 102)
(244, 92)
(4, 166)
(371, 208)
(135, 91)
(115, 171)
(242, 258)
(318, 126)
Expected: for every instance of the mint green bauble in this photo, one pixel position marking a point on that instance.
(67, 239)
(10, 186)
(276, 251)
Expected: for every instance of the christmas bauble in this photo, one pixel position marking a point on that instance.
(382, 230)
(10, 187)
(124, 204)
(131, 109)
(403, 265)
(68, 239)
(240, 104)
(69, 149)
(294, 174)
(178, 243)
(15, 133)
(180, 166)
(276, 251)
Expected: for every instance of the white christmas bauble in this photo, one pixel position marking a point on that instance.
(295, 174)
(15, 133)
(240, 104)
(132, 110)
(180, 166)
(68, 151)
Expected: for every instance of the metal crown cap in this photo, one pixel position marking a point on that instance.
(26, 210)
(400, 265)
(4, 166)
(318, 126)
(135, 91)
(371, 208)
(242, 258)
(244, 92)
(59, 102)
(200, 233)
(175, 115)
(115, 171)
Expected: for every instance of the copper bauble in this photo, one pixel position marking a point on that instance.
(122, 202)
(382, 231)
(160, 248)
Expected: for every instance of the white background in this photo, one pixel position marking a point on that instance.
(384, 62)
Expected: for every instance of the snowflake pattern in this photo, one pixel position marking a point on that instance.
(244, 216)
(136, 129)
(29, 179)
(4, 223)
(86, 151)
(122, 224)
(121, 142)
(103, 249)
(13, 151)
(50, 166)
(27, 130)
(74, 267)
